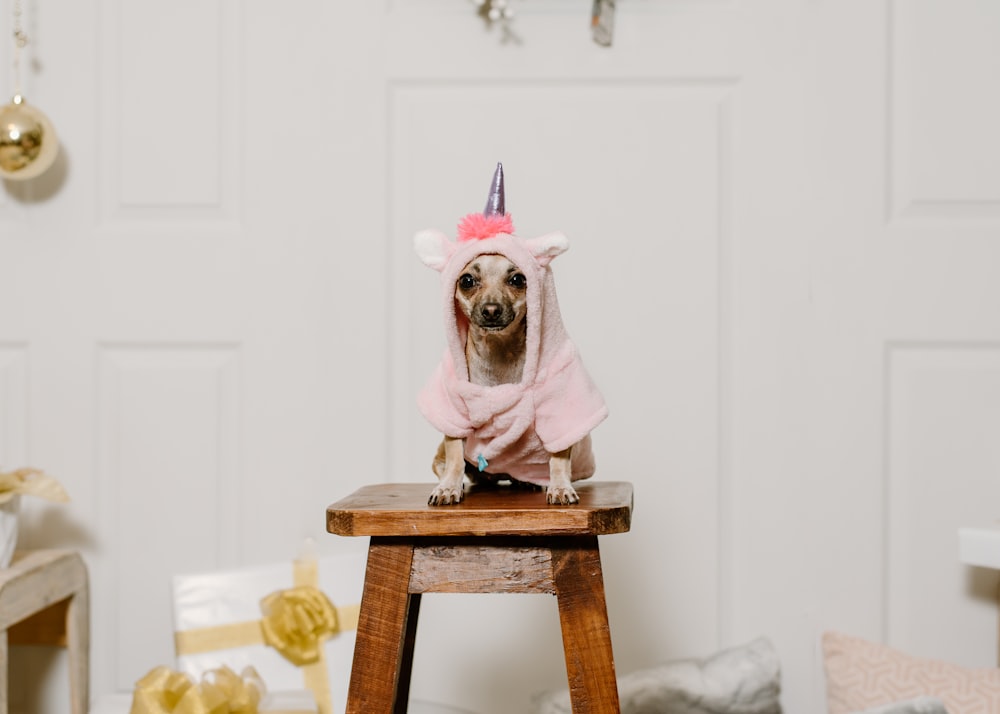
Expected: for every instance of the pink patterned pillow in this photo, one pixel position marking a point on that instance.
(861, 675)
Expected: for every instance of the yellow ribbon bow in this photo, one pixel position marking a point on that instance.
(296, 621)
(221, 691)
(30, 482)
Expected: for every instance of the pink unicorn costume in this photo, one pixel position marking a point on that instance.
(511, 428)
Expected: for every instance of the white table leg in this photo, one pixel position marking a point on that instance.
(78, 645)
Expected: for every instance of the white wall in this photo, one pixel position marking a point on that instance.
(784, 219)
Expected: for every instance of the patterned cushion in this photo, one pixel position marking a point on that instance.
(862, 675)
(920, 705)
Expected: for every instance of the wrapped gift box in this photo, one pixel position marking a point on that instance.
(294, 702)
(219, 621)
(298, 702)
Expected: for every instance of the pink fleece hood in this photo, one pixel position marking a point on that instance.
(511, 428)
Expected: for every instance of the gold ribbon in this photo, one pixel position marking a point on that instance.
(305, 573)
(221, 691)
(31, 482)
(295, 622)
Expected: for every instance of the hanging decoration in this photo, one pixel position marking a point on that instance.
(499, 12)
(495, 12)
(28, 143)
(602, 22)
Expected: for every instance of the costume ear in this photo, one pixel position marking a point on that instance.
(547, 247)
(433, 247)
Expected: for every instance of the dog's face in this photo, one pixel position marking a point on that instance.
(491, 292)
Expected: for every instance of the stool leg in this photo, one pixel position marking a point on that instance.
(382, 653)
(406, 661)
(583, 615)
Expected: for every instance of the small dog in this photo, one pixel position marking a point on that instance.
(511, 394)
(491, 294)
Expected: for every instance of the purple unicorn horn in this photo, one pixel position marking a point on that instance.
(495, 203)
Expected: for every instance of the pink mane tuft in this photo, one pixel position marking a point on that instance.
(476, 226)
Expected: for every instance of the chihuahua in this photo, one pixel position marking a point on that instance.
(490, 292)
(511, 388)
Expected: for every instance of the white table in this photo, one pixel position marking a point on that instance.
(44, 600)
(981, 547)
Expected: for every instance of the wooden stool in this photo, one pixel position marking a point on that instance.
(44, 600)
(498, 540)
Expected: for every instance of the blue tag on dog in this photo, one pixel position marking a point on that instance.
(483, 463)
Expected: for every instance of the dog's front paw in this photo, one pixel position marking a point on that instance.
(443, 495)
(561, 495)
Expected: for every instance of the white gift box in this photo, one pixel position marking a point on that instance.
(211, 607)
(296, 702)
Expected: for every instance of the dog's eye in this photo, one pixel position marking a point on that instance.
(517, 280)
(467, 282)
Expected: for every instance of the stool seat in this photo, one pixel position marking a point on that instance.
(499, 539)
(400, 509)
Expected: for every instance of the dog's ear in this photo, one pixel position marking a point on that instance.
(433, 247)
(547, 247)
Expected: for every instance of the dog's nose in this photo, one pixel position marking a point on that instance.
(492, 310)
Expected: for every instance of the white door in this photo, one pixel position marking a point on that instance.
(784, 232)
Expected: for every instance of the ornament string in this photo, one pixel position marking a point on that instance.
(28, 143)
(20, 40)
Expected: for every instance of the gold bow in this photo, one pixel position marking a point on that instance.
(31, 482)
(296, 621)
(221, 691)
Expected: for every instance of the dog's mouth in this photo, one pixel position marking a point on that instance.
(493, 325)
(492, 316)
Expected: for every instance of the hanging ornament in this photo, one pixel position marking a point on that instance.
(28, 143)
(496, 12)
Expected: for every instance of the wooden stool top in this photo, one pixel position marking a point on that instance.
(400, 509)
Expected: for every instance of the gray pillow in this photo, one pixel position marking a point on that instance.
(739, 680)
(920, 705)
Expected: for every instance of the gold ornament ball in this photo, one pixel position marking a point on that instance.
(28, 143)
